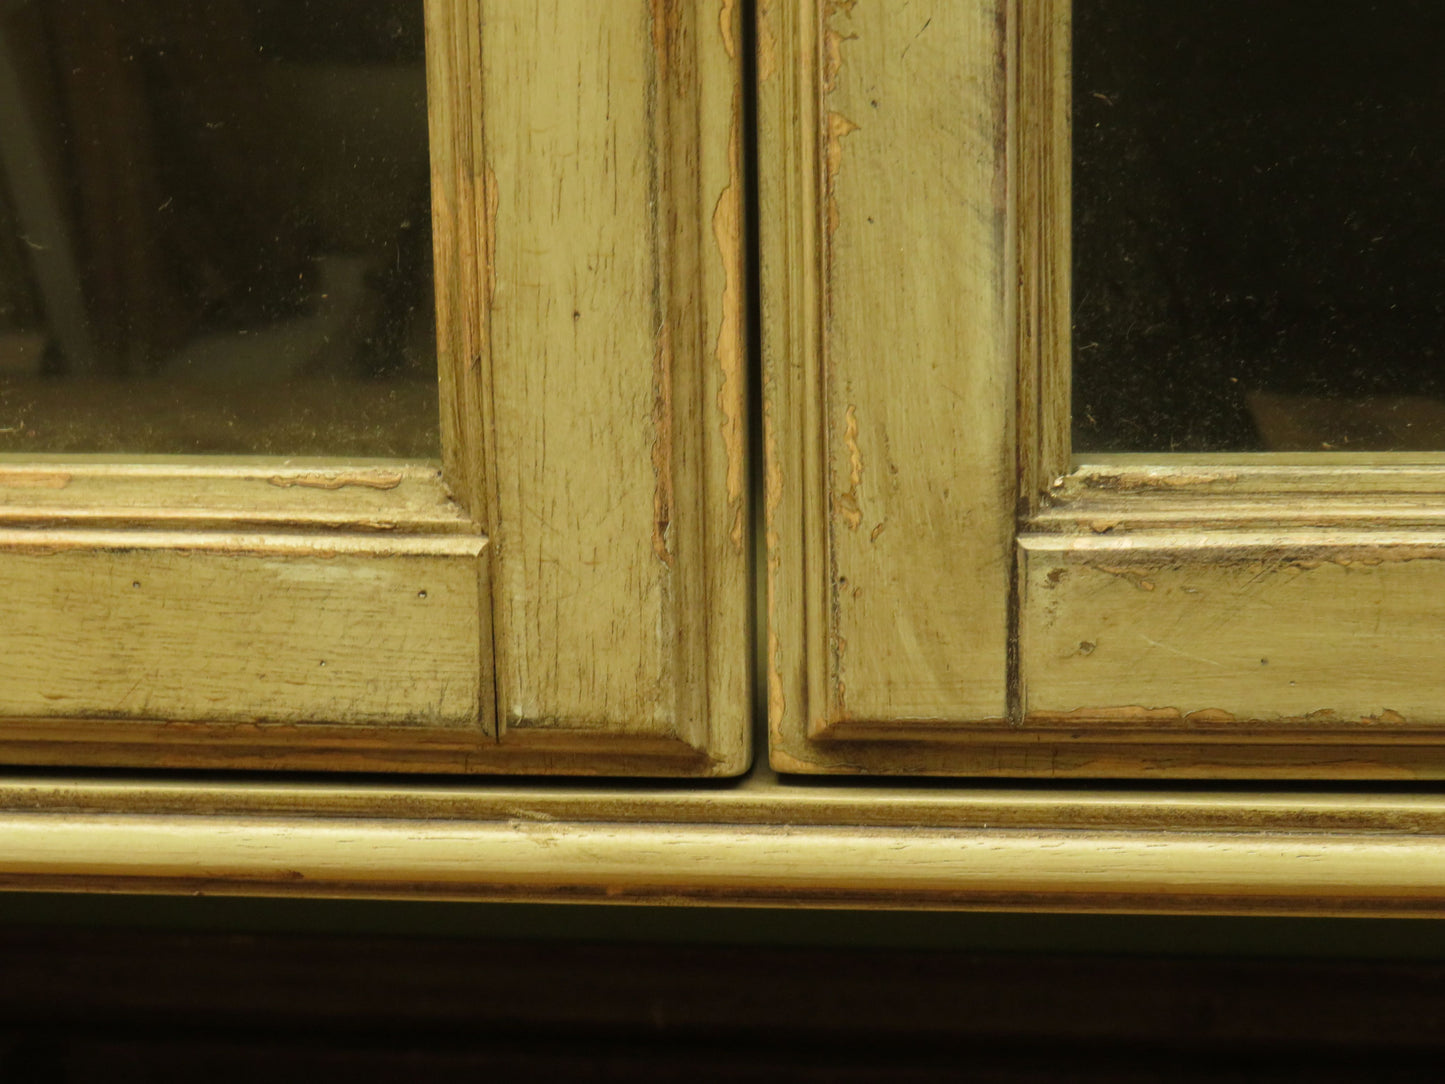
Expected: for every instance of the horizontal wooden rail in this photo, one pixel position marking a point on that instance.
(763, 842)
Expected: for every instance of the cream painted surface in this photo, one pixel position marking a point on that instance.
(1331, 637)
(889, 554)
(586, 617)
(227, 628)
(916, 340)
(241, 494)
(1208, 617)
(614, 351)
(583, 543)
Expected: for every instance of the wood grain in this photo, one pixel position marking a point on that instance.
(568, 593)
(1043, 149)
(609, 196)
(201, 626)
(1324, 637)
(889, 368)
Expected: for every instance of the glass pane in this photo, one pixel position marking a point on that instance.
(1259, 225)
(215, 228)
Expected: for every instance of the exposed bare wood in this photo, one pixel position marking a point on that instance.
(1043, 208)
(463, 222)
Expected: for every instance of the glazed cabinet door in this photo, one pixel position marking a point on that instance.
(553, 579)
(1103, 437)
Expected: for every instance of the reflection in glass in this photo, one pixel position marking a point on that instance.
(215, 228)
(1259, 225)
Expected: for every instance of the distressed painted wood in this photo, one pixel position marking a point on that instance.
(1239, 636)
(1211, 616)
(583, 545)
(1286, 612)
(889, 369)
(1262, 615)
(1043, 206)
(595, 364)
(614, 360)
(209, 493)
(260, 613)
(200, 626)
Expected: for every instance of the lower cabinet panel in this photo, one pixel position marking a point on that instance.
(1246, 639)
(222, 629)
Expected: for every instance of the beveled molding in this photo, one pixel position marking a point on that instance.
(305, 613)
(759, 842)
(587, 191)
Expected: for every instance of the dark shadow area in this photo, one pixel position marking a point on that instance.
(1259, 228)
(130, 1005)
(215, 228)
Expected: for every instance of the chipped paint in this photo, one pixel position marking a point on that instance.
(833, 57)
(34, 479)
(839, 128)
(338, 480)
(1129, 482)
(1128, 716)
(662, 444)
(727, 231)
(663, 17)
(846, 504)
(727, 24)
(833, 40)
(767, 44)
(489, 229)
(664, 27)
(777, 702)
(772, 497)
(1210, 716)
(1131, 716)
(1133, 575)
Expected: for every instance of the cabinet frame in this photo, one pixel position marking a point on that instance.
(1149, 616)
(448, 620)
(760, 841)
(1278, 622)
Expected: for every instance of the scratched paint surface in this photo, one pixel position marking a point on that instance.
(142, 630)
(915, 355)
(616, 357)
(1339, 640)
